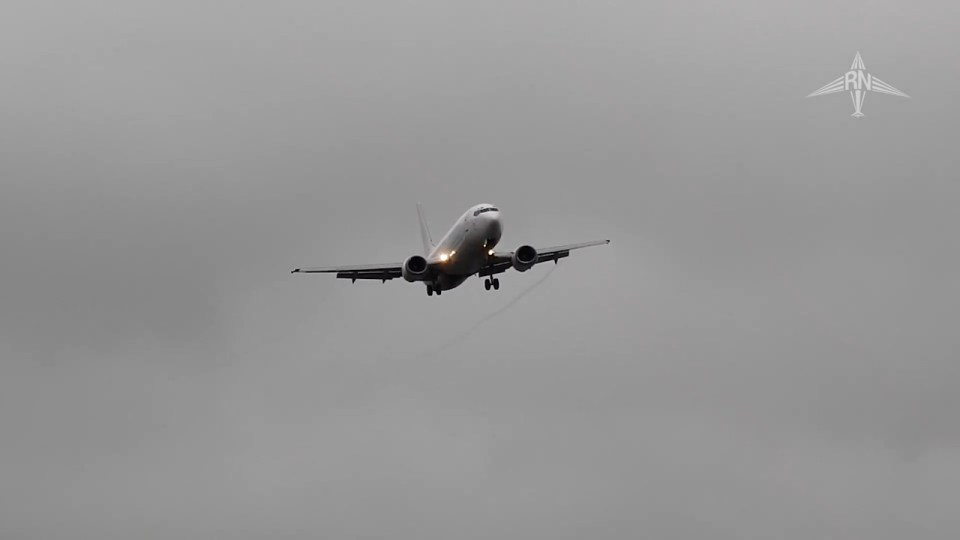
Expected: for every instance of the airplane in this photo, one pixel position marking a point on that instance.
(466, 249)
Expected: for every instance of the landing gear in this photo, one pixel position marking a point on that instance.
(429, 290)
(495, 283)
(433, 289)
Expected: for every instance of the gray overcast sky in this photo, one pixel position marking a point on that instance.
(768, 348)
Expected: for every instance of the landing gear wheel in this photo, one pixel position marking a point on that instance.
(437, 289)
(486, 284)
(496, 284)
(429, 290)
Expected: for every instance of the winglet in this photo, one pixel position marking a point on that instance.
(424, 231)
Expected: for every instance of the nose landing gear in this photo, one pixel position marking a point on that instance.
(433, 289)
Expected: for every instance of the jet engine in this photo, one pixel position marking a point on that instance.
(414, 269)
(524, 258)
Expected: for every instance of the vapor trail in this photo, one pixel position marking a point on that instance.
(462, 335)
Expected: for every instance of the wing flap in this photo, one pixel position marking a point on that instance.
(382, 272)
(495, 268)
(382, 275)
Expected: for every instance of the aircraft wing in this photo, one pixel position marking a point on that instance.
(382, 272)
(832, 87)
(884, 88)
(501, 261)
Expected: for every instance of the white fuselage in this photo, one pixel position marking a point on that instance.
(466, 247)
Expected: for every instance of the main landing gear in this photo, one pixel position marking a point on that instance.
(491, 282)
(433, 289)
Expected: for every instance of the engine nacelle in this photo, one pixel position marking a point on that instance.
(414, 269)
(524, 258)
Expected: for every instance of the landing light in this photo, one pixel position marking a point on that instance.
(444, 257)
(490, 252)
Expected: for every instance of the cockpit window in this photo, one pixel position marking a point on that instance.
(482, 210)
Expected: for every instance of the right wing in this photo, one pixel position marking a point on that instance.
(382, 272)
(558, 252)
(501, 261)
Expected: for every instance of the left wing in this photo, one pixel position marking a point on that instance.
(382, 272)
(500, 261)
(833, 87)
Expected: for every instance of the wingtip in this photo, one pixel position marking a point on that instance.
(295, 271)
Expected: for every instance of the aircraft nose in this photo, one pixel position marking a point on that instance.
(494, 226)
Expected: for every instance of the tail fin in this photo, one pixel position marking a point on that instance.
(424, 231)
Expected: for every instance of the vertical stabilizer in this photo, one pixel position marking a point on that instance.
(424, 231)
